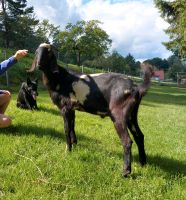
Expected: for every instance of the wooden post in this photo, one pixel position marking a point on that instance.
(82, 70)
(6, 73)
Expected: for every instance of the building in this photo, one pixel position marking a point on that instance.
(159, 75)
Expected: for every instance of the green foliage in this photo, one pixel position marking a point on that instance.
(159, 63)
(46, 31)
(132, 66)
(174, 12)
(16, 22)
(175, 66)
(84, 40)
(115, 63)
(17, 73)
(35, 165)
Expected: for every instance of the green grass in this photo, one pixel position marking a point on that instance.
(35, 165)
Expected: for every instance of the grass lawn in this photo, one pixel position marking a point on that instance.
(35, 165)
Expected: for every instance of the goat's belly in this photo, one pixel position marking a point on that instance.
(92, 110)
(101, 114)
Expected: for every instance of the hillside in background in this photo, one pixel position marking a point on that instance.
(18, 74)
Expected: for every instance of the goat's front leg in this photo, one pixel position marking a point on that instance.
(69, 118)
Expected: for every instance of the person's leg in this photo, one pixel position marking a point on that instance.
(5, 97)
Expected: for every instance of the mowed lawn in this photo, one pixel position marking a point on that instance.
(34, 163)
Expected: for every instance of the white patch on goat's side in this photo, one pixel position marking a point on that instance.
(81, 91)
(72, 97)
(45, 45)
(91, 75)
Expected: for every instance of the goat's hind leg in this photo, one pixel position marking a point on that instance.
(137, 134)
(69, 118)
(121, 128)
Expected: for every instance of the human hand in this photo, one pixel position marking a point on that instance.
(20, 53)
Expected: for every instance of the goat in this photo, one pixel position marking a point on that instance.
(105, 94)
(27, 95)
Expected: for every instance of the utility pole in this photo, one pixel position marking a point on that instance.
(6, 73)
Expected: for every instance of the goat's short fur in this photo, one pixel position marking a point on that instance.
(106, 94)
(27, 95)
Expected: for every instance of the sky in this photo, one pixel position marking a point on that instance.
(135, 26)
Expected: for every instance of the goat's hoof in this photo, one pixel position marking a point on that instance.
(68, 149)
(143, 162)
(126, 173)
(74, 142)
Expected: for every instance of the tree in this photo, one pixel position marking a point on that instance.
(132, 66)
(117, 62)
(47, 32)
(23, 35)
(12, 16)
(84, 40)
(159, 63)
(114, 62)
(175, 66)
(174, 12)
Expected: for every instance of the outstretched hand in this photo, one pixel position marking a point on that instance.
(20, 53)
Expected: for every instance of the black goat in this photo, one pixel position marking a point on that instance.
(27, 95)
(107, 94)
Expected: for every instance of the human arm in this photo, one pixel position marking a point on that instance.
(6, 64)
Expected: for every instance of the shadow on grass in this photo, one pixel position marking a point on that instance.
(169, 165)
(19, 130)
(49, 110)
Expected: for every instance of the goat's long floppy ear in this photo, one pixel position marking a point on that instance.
(54, 65)
(34, 65)
(53, 60)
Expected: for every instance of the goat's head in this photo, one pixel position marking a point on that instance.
(45, 59)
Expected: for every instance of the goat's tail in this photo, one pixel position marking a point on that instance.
(148, 73)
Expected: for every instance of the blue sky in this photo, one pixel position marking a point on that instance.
(135, 26)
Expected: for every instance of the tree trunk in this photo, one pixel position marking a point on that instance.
(6, 37)
(78, 53)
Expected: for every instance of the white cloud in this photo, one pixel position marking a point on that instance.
(134, 26)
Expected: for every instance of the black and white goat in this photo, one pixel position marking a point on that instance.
(106, 94)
